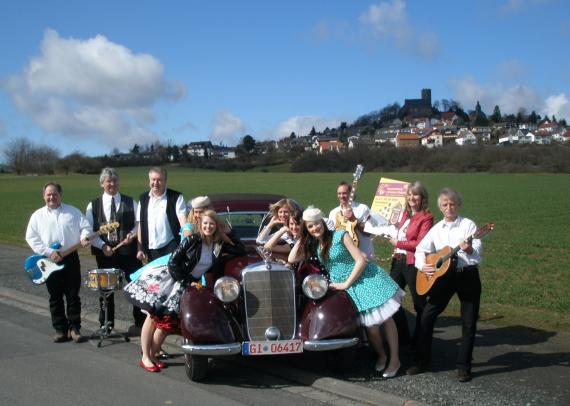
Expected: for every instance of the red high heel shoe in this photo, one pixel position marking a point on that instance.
(153, 368)
(160, 364)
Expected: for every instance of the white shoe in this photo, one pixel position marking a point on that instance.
(380, 364)
(390, 374)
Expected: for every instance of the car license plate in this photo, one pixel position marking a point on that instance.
(271, 347)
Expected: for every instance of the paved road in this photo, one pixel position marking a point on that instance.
(513, 365)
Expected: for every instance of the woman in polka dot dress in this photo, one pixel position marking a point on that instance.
(374, 293)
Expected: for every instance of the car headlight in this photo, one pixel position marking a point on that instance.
(315, 286)
(226, 289)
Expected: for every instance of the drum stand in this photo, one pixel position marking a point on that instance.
(104, 333)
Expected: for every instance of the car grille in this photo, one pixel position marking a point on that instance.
(269, 302)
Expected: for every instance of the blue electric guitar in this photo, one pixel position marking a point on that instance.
(39, 267)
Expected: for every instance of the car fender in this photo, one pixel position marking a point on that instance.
(333, 316)
(203, 318)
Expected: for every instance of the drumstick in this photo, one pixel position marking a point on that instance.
(116, 247)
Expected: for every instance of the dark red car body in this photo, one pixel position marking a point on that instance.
(211, 327)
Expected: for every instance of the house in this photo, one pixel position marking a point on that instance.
(431, 138)
(449, 118)
(407, 140)
(547, 125)
(202, 149)
(221, 152)
(483, 134)
(362, 142)
(325, 144)
(465, 137)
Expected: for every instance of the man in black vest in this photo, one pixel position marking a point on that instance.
(161, 213)
(110, 207)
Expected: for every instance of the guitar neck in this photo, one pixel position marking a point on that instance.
(352, 193)
(76, 246)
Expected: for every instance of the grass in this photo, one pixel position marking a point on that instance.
(523, 273)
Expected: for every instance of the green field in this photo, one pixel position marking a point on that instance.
(524, 275)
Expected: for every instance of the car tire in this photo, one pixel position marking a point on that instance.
(196, 366)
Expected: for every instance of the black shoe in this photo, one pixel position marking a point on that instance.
(75, 335)
(60, 337)
(463, 376)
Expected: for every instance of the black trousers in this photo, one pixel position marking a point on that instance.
(466, 283)
(160, 252)
(65, 283)
(404, 274)
(129, 264)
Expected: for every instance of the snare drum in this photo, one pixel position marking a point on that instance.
(105, 279)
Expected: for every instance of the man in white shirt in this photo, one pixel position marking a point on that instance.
(161, 213)
(118, 248)
(462, 278)
(64, 224)
(352, 212)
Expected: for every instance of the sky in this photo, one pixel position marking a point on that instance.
(96, 77)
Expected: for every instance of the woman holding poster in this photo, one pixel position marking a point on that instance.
(414, 225)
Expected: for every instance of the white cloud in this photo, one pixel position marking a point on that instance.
(227, 129)
(389, 22)
(92, 89)
(558, 106)
(302, 125)
(509, 98)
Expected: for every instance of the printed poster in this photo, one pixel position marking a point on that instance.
(387, 207)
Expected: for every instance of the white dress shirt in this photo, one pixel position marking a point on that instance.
(106, 201)
(65, 225)
(450, 234)
(159, 233)
(361, 212)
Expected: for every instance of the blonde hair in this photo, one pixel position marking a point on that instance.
(219, 227)
(417, 188)
(274, 208)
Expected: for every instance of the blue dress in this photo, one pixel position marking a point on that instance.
(374, 293)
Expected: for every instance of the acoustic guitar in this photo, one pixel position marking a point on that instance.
(39, 267)
(341, 223)
(442, 259)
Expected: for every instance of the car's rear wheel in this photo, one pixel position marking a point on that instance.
(196, 366)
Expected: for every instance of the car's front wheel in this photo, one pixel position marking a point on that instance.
(196, 365)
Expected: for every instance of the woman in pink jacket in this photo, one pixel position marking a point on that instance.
(415, 223)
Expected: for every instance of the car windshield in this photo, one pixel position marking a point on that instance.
(245, 224)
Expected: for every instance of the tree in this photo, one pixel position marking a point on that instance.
(292, 136)
(496, 116)
(533, 118)
(478, 108)
(247, 143)
(313, 131)
(22, 156)
(136, 149)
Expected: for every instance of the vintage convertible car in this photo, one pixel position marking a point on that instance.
(260, 306)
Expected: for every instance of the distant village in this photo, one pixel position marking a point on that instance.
(416, 124)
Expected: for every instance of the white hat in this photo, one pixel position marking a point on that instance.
(312, 213)
(200, 201)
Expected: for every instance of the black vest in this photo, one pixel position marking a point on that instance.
(126, 218)
(171, 198)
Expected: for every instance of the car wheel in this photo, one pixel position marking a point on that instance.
(196, 366)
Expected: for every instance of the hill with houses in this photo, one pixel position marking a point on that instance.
(418, 123)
